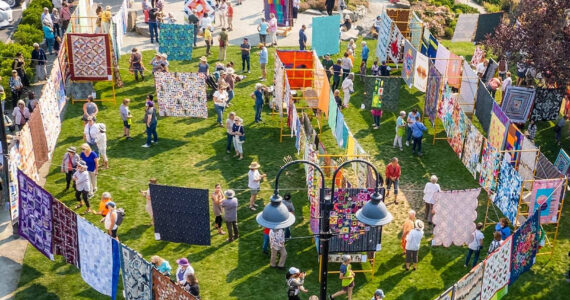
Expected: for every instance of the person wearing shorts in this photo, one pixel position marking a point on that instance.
(127, 118)
(262, 29)
(254, 183)
(347, 279)
(263, 59)
(393, 172)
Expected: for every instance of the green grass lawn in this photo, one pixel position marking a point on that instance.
(191, 153)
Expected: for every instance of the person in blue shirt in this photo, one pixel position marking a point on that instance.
(503, 228)
(418, 129)
(262, 29)
(302, 38)
(365, 52)
(413, 117)
(161, 265)
(258, 97)
(263, 58)
(49, 36)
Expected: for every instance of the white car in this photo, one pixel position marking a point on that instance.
(5, 14)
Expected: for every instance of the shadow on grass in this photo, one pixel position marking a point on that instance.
(125, 149)
(37, 292)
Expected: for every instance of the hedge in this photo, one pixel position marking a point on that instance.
(28, 35)
(8, 53)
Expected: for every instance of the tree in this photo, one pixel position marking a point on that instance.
(539, 33)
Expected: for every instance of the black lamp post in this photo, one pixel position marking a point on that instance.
(275, 215)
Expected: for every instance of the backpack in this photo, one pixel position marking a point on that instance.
(120, 216)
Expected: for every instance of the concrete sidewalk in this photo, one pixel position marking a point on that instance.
(12, 251)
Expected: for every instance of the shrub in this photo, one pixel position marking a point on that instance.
(8, 52)
(33, 17)
(492, 8)
(448, 32)
(28, 35)
(41, 4)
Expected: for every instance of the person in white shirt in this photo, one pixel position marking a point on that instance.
(475, 246)
(254, 182)
(220, 101)
(205, 22)
(277, 242)
(90, 133)
(126, 117)
(430, 189)
(56, 4)
(82, 186)
(111, 220)
(506, 83)
(46, 17)
(413, 241)
(481, 67)
(21, 114)
(347, 89)
(183, 270)
(101, 141)
(222, 11)
(229, 131)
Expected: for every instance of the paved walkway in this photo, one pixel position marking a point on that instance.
(472, 3)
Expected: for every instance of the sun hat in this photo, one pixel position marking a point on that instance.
(258, 85)
(419, 224)
(379, 292)
(294, 271)
(164, 55)
(402, 113)
(254, 165)
(230, 193)
(72, 149)
(82, 164)
(106, 195)
(230, 70)
(203, 58)
(102, 127)
(110, 203)
(183, 261)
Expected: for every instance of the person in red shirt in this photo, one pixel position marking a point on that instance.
(393, 172)
(230, 15)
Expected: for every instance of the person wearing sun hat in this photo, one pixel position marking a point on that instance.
(69, 164)
(82, 186)
(295, 279)
(110, 220)
(378, 295)
(203, 66)
(184, 269)
(238, 136)
(254, 183)
(230, 205)
(413, 241)
(220, 99)
(150, 122)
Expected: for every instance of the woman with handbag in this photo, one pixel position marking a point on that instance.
(21, 114)
(239, 137)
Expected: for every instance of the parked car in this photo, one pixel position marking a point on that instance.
(5, 14)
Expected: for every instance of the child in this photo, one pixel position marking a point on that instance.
(103, 210)
(375, 68)
(476, 245)
(495, 243)
(101, 141)
(376, 115)
(362, 70)
(400, 130)
(338, 99)
(265, 246)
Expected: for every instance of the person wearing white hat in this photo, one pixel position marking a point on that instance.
(378, 295)
(254, 183)
(82, 186)
(101, 141)
(111, 220)
(347, 89)
(295, 279)
(230, 206)
(413, 241)
(238, 136)
(347, 279)
(430, 189)
(257, 95)
(400, 130)
(69, 164)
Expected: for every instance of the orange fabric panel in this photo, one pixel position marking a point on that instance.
(322, 86)
(298, 60)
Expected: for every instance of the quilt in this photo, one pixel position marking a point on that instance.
(27, 157)
(525, 245)
(545, 198)
(490, 71)
(89, 56)
(41, 152)
(472, 149)
(545, 169)
(497, 271)
(137, 275)
(486, 26)
(517, 102)
(201, 7)
(49, 108)
(332, 113)
(513, 144)
(454, 217)
(65, 241)
(478, 56)
(279, 87)
(433, 93)
(283, 11)
(547, 104)
(416, 28)
(353, 236)
(421, 72)
(98, 258)
(384, 37)
(445, 109)
(339, 130)
(484, 106)
(527, 163)
(35, 218)
(164, 289)
(468, 89)
(176, 40)
(454, 71)
(490, 162)
(432, 45)
(181, 94)
(13, 162)
(409, 63)
(460, 122)
(562, 162)
(181, 215)
(382, 92)
(469, 286)
(326, 35)
(441, 58)
(498, 127)
(394, 46)
(508, 190)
